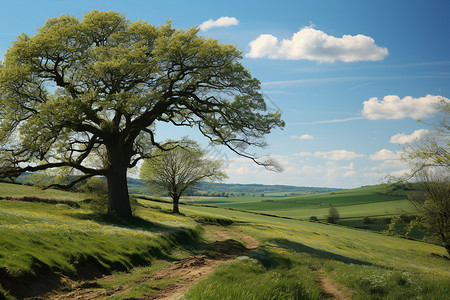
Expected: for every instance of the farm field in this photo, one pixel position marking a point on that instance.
(371, 201)
(57, 242)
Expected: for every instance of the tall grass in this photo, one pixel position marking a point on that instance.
(39, 239)
(261, 275)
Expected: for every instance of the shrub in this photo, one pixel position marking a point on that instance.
(313, 219)
(97, 189)
(366, 220)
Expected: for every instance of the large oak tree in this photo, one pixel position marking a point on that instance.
(85, 96)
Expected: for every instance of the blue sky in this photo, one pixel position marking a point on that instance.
(350, 77)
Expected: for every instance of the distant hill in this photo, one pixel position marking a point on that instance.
(138, 186)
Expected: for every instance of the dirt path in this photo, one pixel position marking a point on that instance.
(331, 290)
(186, 272)
(195, 268)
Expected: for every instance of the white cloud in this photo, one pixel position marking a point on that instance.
(339, 155)
(302, 137)
(303, 154)
(402, 138)
(312, 44)
(220, 22)
(393, 107)
(385, 154)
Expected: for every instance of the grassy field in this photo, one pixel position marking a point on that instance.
(373, 201)
(18, 190)
(40, 240)
(363, 261)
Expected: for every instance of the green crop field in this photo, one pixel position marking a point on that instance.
(372, 201)
(49, 249)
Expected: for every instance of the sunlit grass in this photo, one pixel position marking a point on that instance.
(261, 275)
(372, 265)
(63, 238)
(18, 190)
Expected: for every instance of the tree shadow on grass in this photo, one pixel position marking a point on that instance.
(298, 247)
(126, 223)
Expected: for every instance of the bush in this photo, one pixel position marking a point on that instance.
(97, 189)
(366, 220)
(99, 204)
(313, 219)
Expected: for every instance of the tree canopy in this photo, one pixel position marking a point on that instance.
(431, 150)
(429, 159)
(179, 167)
(84, 96)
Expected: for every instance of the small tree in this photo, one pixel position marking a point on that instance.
(333, 215)
(178, 166)
(434, 205)
(429, 159)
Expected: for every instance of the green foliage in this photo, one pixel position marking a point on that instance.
(97, 189)
(213, 220)
(333, 215)
(433, 206)
(366, 220)
(177, 166)
(83, 96)
(313, 219)
(433, 148)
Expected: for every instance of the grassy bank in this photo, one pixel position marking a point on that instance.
(47, 241)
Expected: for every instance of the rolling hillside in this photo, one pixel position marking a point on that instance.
(60, 250)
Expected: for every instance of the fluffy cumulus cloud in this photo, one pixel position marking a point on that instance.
(302, 137)
(316, 45)
(394, 107)
(220, 22)
(385, 154)
(402, 138)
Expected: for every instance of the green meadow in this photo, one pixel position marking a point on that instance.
(372, 201)
(72, 248)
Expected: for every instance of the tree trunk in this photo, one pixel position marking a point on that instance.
(119, 199)
(175, 209)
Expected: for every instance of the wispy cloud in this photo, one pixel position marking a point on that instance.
(302, 137)
(333, 155)
(328, 121)
(220, 22)
(352, 78)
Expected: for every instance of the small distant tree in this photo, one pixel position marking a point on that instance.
(313, 219)
(366, 220)
(177, 166)
(333, 215)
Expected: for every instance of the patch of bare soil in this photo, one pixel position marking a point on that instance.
(330, 289)
(195, 268)
(187, 272)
